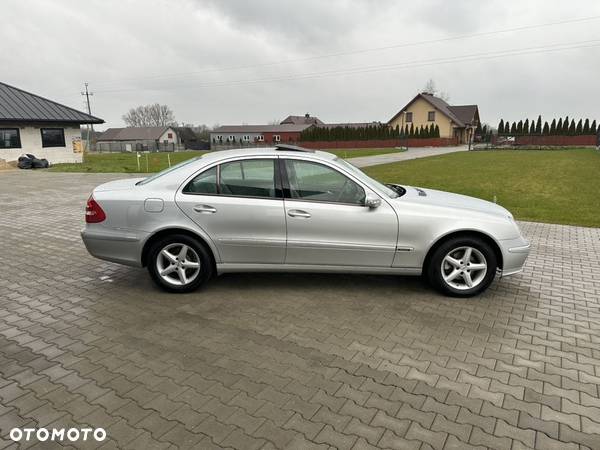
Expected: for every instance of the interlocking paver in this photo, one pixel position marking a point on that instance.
(296, 361)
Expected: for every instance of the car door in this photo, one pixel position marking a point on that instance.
(239, 204)
(328, 222)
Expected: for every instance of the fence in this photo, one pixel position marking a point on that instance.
(382, 143)
(137, 146)
(546, 141)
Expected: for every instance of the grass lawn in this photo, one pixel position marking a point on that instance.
(125, 162)
(356, 152)
(556, 186)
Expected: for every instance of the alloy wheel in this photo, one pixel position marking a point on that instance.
(464, 268)
(178, 264)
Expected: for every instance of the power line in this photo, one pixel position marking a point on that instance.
(395, 66)
(360, 51)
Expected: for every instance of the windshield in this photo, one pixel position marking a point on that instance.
(382, 187)
(168, 170)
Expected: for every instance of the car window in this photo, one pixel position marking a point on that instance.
(248, 178)
(168, 170)
(205, 183)
(317, 182)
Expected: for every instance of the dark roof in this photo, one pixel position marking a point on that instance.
(301, 120)
(350, 125)
(133, 134)
(284, 128)
(465, 113)
(461, 115)
(17, 105)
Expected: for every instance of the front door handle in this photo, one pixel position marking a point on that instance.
(298, 213)
(205, 209)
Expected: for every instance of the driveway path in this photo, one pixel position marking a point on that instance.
(295, 361)
(411, 153)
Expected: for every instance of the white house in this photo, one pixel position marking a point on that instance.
(33, 124)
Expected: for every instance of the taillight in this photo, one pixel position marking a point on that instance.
(93, 212)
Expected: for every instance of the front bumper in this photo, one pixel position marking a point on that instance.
(112, 245)
(514, 254)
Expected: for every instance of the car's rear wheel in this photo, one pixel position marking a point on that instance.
(462, 267)
(179, 263)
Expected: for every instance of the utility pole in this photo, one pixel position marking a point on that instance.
(89, 109)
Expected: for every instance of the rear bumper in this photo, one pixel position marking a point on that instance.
(514, 253)
(115, 246)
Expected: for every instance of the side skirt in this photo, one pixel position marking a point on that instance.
(228, 268)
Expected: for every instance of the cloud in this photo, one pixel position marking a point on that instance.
(206, 58)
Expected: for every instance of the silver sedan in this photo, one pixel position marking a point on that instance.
(296, 210)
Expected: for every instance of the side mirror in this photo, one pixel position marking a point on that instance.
(372, 201)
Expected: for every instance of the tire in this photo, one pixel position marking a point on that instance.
(449, 271)
(195, 253)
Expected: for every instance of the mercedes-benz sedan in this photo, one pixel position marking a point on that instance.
(296, 210)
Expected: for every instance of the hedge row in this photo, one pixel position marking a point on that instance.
(369, 132)
(560, 127)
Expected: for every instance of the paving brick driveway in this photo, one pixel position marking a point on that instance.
(289, 361)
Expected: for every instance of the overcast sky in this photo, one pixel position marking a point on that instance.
(238, 61)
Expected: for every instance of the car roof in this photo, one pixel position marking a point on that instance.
(262, 151)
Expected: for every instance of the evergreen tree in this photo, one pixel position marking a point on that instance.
(586, 126)
(501, 127)
(593, 128)
(437, 130)
(546, 130)
(526, 127)
(572, 128)
(520, 127)
(553, 127)
(538, 125)
(559, 127)
(507, 127)
(513, 128)
(565, 128)
(532, 128)
(406, 131)
(411, 133)
(579, 129)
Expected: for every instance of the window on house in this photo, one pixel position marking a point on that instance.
(10, 138)
(246, 138)
(53, 137)
(170, 135)
(408, 117)
(232, 138)
(261, 138)
(431, 116)
(219, 138)
(276, 138)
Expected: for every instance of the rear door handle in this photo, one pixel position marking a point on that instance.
(205, 209)
(298, 213)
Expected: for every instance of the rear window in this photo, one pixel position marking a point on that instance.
(169, 170)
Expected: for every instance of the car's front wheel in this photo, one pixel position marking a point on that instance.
(462, 266)
(179, 263)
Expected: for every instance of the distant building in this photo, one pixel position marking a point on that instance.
(33, 124)
(306, 119)
(256, 134)
(139, 139)
(425, 109)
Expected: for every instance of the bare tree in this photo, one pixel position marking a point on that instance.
(150, 116)
(431, 88)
